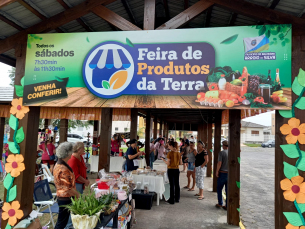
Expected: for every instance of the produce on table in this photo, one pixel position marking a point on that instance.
(278, 97)
(246, 102)
(213, 87)
(253, 84)
(236, 82)
(215, 74)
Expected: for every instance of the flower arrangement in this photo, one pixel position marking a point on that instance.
(293, 185)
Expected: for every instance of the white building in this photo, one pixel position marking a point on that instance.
(251, 132)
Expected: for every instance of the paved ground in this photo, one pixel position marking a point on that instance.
(189, 213)
(257, 187)
(257, 200)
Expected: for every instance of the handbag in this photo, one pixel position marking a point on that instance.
(51, 157)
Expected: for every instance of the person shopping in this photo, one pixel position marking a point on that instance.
(132, 155)
(48, 153)
(191, 167)
(152, 153)
(115, 145)
(161, 149)
(184, 150)
(222, 174)
(173, 161)
(78, 166)
(201, 161)
(64, 180)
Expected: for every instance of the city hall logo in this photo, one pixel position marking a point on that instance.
(253, 42)
(108, 69)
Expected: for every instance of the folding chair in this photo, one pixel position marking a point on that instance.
(43, 198)
(47, 173)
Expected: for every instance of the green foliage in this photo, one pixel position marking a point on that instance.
(12, 193)
(302, 207)
(301, 162)
(293, 218)
(290, 150)
(129, 42)
(279, 31)
(12, 75)
(301, 77)
(286, 113)
(290, 170)
(12, 147)
(13, 122)
(8, 226)
(141, 132)
(7, 181)
(215, 73)
(238, 184)
(19, 90)
(296, 86)
(85, 205)
(106, 84)
(301, 104)
(20, 135)
(229, 40)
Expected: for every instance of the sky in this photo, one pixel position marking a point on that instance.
(263, 119)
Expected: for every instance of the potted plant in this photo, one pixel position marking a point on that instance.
(95, 149)
(85, 211)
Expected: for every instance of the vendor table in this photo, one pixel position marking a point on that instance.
(156, 184)
(159, 165)
(116, 163)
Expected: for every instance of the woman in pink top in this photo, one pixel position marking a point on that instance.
(115, 145)
(48, 150)
(161, 149)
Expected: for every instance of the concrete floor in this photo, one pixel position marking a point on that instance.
(257, 187)
(189, 213)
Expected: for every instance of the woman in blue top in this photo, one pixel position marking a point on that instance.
(132, 154)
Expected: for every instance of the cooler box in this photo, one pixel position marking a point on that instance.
(143, 201)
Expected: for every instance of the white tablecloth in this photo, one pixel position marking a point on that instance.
(116, 163)
(156, 183)
(159, 165)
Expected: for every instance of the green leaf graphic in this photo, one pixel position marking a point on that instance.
(12, 147)
(7, 181)
(302, 207)
(283, 43)
(290, 150)
(238, 209)
(13, 193)
(290, 170)
(301, 104)
(238, 158)
(286, 114)
(20, 135)
(105, 84)
(301, 77)
(262, 30)
(8, 226)
(267, 33)
(22, 81)
(293, 218)
(129, 42)
(238, 184)
(88, 39)
(19, 90)
(12, 122)
(59, 79)
(296, 87)
(229, 40)
(301, 165)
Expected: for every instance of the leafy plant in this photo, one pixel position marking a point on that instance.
(85, 205)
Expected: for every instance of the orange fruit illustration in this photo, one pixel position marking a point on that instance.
(229, 103)
(118, 79)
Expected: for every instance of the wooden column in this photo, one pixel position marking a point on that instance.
(217, 147)
(209, 148)
(134, 123)
(95, 132)
(63, 130)
(166, 130)
(47, 122)
(200, 132)
(2, 126)
(281, 204)
(30, 123)
(161, 128)
(155, 128)
(234, 167)
(149, 14)
(105, 139)
(147, 137)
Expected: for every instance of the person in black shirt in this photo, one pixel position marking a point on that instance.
(201, 161)
(131, 155)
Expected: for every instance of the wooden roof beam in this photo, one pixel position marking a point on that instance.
(262, 13)
(149, 14)
(79, 20)
(52, 22)
(6, 2)
(232, 19)
(187, 15)
(11, 23)
(129, 12)
(114, 18)
(7, 60)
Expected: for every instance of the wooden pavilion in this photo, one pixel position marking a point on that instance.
(21, 17)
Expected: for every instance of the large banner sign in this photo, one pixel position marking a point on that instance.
(233, 67)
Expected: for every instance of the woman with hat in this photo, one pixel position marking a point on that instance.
(200, 163)
(48, 153)
(131, 155)
(152, 153)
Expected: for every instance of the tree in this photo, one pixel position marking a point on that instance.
(141, 132)
(12, 76)
(71, 123)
